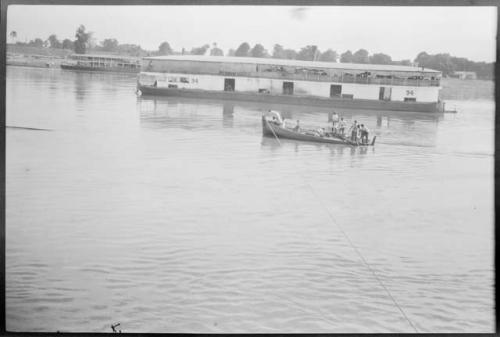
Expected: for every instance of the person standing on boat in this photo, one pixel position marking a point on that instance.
(335, 120)
(342, 126)
(364, 134)
(354, 131)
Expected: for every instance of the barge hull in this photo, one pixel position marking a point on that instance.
(99, 69)
(289, 99)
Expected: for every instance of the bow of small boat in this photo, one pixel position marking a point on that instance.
(266, 127)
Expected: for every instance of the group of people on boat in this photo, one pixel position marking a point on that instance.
(338, 124)
(359, 133)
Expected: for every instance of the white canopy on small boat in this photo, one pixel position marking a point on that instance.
(271, 113)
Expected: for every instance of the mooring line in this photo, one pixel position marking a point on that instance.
(359, 254)
(270, 127)
(357, 251)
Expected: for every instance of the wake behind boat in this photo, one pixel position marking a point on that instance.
(273, 125)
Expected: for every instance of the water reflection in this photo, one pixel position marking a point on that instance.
(269, 143)
(85, 83)
(81, 85)
(390, 127)
(172, 113)
(228, 115)
(374, 117)
(410, 210)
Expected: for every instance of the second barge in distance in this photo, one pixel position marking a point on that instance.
(98, 62)
(323, 84)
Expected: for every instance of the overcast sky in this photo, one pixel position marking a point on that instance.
(401, 32)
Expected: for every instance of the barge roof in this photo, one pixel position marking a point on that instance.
(107, 56)
(293, 63)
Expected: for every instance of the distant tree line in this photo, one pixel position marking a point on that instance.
(448, 64)
(50, 42)
(84, 42)
(443, 62)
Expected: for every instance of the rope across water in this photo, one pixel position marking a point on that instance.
(360, 255)
(372, 271)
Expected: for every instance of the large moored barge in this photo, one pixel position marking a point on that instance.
(343, 85)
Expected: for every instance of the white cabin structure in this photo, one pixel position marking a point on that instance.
(391, 87)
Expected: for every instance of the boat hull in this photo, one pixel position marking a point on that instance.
(290, 99)
(270, 129)
(99, 69)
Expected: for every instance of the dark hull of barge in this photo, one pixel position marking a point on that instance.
(295, 100)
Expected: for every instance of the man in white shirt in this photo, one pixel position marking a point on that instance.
(335, 119)
(342, 126)
(364, 134)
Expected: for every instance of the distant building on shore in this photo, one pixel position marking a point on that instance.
(100, 62)
(464, 75)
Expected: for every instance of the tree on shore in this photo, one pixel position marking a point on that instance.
(448, 64)
(200, 50)
(67, 44)
(258, 51)
(130, 49)
(380, 58)
(82, 40)
(109, 44)
(290, 54)
(54, 42)
(243, 50)
(346, 57)
(440, 62)
(278, 52)
(215, 51)
(164, 49)
(328, 56)
(308, 53)
(361, 56)
(36, 43)
(402, 63)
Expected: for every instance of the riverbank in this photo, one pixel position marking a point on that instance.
(37, 61)
(456, 89)
(39, 57)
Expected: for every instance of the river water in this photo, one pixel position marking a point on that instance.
(176, 215)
